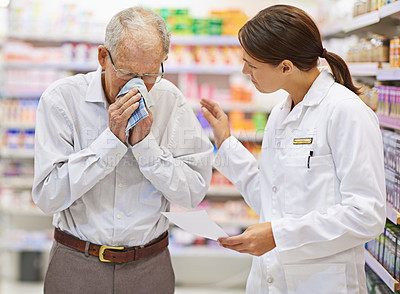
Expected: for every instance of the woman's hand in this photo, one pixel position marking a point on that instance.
(256, 240)
(217, 119)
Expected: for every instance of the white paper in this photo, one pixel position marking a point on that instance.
(196, 222)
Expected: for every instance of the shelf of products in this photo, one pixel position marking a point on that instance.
(372, 21)
(392, 283)
(392, 214)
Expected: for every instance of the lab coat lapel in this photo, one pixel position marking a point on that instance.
(317, 92)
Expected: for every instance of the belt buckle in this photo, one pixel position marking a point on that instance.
(104, 247)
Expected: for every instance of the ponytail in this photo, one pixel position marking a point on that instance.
(340, 71)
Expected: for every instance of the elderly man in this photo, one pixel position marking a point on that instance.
(107, 186)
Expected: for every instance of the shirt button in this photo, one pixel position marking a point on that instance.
(270, 280)
(137, 154)
(278, 144)
(120, 185)
(118, 154)
(274, 189)
(118, 216)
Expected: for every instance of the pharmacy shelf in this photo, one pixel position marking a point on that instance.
(390, 74)
(362, 21)
(73, 66)
(390, 10)
(389, 122)
(223, 191)
(17, 125)
(392, 214)
(392, 283)
(22, 95)
(242, 135)
(198, 40)
(55, 38)
(16, 182)
(204, 251)
(375, 21)
(215, 69)
(24, 246)
(16, 153)
(366, 69)
(192, 40)
(23, 211)
(232, 105)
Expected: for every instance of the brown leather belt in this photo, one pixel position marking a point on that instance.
(110, 253)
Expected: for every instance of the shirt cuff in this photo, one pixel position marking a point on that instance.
(226, 150)
(108, 148)
(146, 151)
(280, 237)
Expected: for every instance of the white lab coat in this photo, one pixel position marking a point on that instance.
(322, 212)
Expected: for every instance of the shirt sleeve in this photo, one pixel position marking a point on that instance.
(357, 150)
(237, 163)
(62, 174)
(182, 170)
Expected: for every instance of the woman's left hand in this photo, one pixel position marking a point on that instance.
(256, 240)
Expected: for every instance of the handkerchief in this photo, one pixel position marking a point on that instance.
(141, 112)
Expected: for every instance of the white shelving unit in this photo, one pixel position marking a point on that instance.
(371, 21)
(392, 214)
(392, 283)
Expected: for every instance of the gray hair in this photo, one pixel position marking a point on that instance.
(135, 19)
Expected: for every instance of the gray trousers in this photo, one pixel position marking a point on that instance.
(72, 272)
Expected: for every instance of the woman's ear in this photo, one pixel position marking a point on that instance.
(101, 56)
(286, 66)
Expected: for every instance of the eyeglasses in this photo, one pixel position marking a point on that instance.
(128, 75)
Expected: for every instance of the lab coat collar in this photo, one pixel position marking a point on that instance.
(317, 92)
(319, 89)
(95, 92)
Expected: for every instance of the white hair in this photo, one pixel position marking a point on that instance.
(136, 20)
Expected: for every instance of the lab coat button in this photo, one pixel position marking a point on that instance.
(118, 216)
(274, 189)
(270, 280)
(278, 144)
(120, 185)
(118, 154)
(137, 154)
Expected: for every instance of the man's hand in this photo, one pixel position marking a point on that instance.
(120, 111)
(141, 130)
(256, 240)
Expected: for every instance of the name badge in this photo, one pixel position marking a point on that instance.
(302, 141)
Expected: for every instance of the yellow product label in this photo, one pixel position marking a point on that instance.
(301, 141)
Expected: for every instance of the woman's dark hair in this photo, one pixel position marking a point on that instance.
(282, 32)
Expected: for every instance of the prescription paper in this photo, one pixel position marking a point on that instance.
(196, 222)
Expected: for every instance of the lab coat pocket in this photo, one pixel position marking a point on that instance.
(309, 184)
(316, 278)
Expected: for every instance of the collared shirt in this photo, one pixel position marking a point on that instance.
(321, 184)
(103, 190)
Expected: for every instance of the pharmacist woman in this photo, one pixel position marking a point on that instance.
(319, 187)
